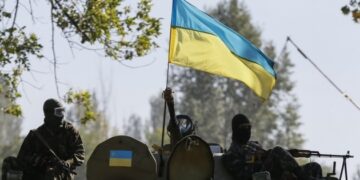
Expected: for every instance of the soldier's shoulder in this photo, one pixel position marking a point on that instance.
(69, 127)
(31, 133)
(235, 148)
(38, 129)
(254, 143)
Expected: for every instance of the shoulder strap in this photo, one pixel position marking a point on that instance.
(45, 144)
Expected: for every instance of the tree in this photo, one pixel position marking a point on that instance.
(16, 47)
(134, 127)
(92, 133)
(10, 139)
(154, 131)
(354, 8)
(286, 106)
(357, 173)
(212, 101)
(116, 29)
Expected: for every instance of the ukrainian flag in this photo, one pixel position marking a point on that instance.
(120, 158)
(203, 43)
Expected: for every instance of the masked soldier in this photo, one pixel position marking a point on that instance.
(53, 150)
(244, 157)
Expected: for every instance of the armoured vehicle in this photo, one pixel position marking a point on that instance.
(125, 158)
(187, 157)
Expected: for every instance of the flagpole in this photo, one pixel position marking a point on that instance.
(164, 114)
(162, 164)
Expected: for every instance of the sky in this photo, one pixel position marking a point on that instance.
(330, 124)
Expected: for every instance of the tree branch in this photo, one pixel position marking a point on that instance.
(72, 21)
(31, 11)
(137, 67)
(53, 51)
(15, 14)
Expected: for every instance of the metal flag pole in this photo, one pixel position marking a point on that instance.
(164, 115)
(162, 163)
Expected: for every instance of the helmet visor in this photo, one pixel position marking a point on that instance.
(59, 112)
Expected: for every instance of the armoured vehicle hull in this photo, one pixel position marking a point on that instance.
(126, 158)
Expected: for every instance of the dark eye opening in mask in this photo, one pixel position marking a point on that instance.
(59, 112)
(245, 126)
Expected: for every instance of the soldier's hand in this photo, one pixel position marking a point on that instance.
(264, 154)
(40, 160)
(52, 162)
(167, 94)
(62, 165)
(65, 168)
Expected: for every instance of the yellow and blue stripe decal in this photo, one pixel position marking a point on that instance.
(120, 158)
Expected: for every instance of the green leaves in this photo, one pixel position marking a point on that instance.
(6, 14)
(356, 15)
(15, 49)
(109, 23)
(354, 8)
(13, 109)
(345, 10)
(123, 32)
(82, 99)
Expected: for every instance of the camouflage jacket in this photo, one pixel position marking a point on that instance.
(242, 161)
(36, 158)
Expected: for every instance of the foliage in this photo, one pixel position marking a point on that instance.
(109, 23)
(16, 47)
(356, 175)
(154, 137)
(156, 114)
(284, 104)
(10, 139)
(134, 127)
(212, 101)
(154, 132)
(92, 133)
(352, 8)
(122, 31)
(84, 99)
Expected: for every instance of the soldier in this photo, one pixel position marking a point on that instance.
(179, 125)
(245, 157)
(54, 149)
(240, 160)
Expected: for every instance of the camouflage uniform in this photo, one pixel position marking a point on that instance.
(36, 158)
(280, 162)
(243, 160)
(313, 169)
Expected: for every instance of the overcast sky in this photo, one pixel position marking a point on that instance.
(330, 123)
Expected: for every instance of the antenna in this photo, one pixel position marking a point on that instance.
(288, 39)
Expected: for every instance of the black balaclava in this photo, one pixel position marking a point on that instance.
(241, 129)
(52, 121)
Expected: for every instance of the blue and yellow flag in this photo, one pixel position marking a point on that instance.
(203, 43)
(120, 158)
